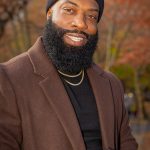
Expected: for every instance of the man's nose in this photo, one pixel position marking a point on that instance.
(79, 22)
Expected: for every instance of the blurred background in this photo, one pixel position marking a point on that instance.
(124, 48)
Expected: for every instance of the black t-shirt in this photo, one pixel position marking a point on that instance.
(84, 104)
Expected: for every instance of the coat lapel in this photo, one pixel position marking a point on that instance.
(59, 100)
(104, 99)
(56, 94)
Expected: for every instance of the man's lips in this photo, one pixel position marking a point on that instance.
(75, 39)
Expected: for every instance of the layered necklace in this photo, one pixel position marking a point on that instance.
(73, 76)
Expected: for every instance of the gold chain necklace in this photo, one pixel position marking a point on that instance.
(71, 76)
(76, 84)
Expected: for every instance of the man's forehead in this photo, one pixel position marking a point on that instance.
(80, 3)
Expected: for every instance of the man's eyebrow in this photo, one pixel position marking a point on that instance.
(72, 3)
(94, 9)
(91, 9)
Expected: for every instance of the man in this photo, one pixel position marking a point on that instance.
(53, 97)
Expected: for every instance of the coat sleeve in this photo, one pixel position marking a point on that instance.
(10, 128)
(126, 141)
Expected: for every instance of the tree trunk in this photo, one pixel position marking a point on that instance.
(27, 29)
(108, 46)
(15, 35)
(138, 93)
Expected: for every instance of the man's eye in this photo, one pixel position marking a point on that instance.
(93, 17)
(68, 10)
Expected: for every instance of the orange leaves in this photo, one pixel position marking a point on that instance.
(135, 16)
(139, 54)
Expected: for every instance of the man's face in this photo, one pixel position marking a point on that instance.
(79, 15)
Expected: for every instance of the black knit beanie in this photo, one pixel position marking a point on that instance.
(50, 3)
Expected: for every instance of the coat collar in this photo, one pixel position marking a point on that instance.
(59, 100)
(42, 65)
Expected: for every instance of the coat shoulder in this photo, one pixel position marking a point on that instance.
(107, 75)
(17, 65)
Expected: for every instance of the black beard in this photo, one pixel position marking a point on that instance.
(69, 59)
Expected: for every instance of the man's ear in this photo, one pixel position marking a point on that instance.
(49, 13)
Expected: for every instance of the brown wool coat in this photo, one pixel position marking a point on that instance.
(36, 113)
